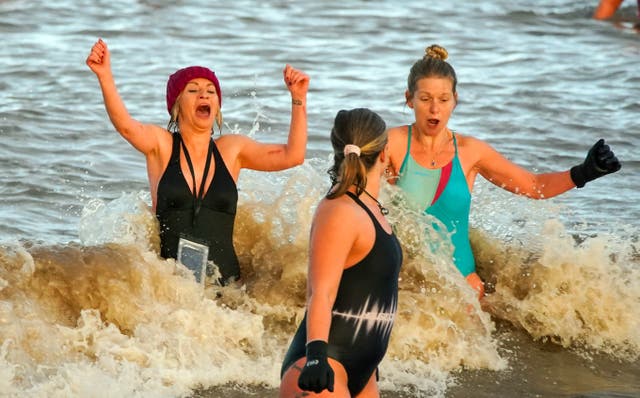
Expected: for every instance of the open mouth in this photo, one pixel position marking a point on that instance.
(433, 122)
(203, 111)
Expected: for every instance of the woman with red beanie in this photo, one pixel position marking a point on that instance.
(192, 176)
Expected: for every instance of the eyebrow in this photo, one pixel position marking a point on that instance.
(433, 94)
(196, 83)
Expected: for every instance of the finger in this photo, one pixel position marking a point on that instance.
(300, 77)
(292, 78)
(605, 156)
(288, 78)
(603, 149)
(96, 52)
(330, 383)
(315, 386)
(613, 164)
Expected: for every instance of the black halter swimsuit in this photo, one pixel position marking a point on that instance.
(208, 219)
(363, 312)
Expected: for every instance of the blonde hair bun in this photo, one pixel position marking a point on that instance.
(436, 51)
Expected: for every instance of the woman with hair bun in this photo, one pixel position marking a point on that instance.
(354, 262)
(437, 167)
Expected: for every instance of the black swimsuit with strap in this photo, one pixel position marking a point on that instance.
(363, 312)
(206, 218)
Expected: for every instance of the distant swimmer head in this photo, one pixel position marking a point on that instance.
(432, 64)
(358, 137)
(179, 80)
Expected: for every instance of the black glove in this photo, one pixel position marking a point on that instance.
(599, 161)
(317, 375)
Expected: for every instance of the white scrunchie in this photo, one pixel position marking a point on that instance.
(350, 148)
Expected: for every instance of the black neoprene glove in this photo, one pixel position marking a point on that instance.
(316, 375)
(600, 161)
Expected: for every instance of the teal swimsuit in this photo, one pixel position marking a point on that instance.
(444, 194)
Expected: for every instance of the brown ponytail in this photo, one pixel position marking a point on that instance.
(366, 130)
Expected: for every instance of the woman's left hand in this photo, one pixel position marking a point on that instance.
(297, 82)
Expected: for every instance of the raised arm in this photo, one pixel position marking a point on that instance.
(144, 137)
(273, 157)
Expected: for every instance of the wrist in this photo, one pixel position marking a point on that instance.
(316, 349)
(577, 176)
(296, 101)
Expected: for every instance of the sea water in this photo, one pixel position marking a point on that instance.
(88, 309)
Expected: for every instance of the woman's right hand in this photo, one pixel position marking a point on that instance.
(317, 375)
(99, 60)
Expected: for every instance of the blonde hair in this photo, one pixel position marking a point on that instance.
(436, 51)
(366, 130)
(432, 64)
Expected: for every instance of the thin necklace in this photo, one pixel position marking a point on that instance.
(383, 209)
(439, 151)
(442, 147)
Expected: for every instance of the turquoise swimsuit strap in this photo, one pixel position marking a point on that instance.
(406, 156)
(455, 143)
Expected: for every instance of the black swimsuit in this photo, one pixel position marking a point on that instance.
(363, 312)
(212, 223)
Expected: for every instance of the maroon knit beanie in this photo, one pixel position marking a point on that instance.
(180, 78)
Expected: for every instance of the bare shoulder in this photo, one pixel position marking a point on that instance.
(467, 142)
(341, 211)
(163, 136)
(232, 144)
(476, 153)
(397, 137)
(397, 133)
(335, 207)
(161, 132)
(232, 139)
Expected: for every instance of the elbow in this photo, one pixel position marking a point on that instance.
(125, 132)
(297, 161)
(295, 158)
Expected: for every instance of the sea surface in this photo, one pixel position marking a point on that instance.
(88, 309)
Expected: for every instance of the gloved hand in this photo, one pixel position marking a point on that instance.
(316, 375)
(600, 161)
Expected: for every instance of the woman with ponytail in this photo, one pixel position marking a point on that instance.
(354, 262)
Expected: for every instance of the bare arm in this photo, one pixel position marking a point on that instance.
(599, 162)
(143, 137)
(511, 177)
(273, 157)
(331, 242)
(606, 9)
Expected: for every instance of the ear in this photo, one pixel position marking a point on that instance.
(455, 97)
(384, 154)
(407, 98)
